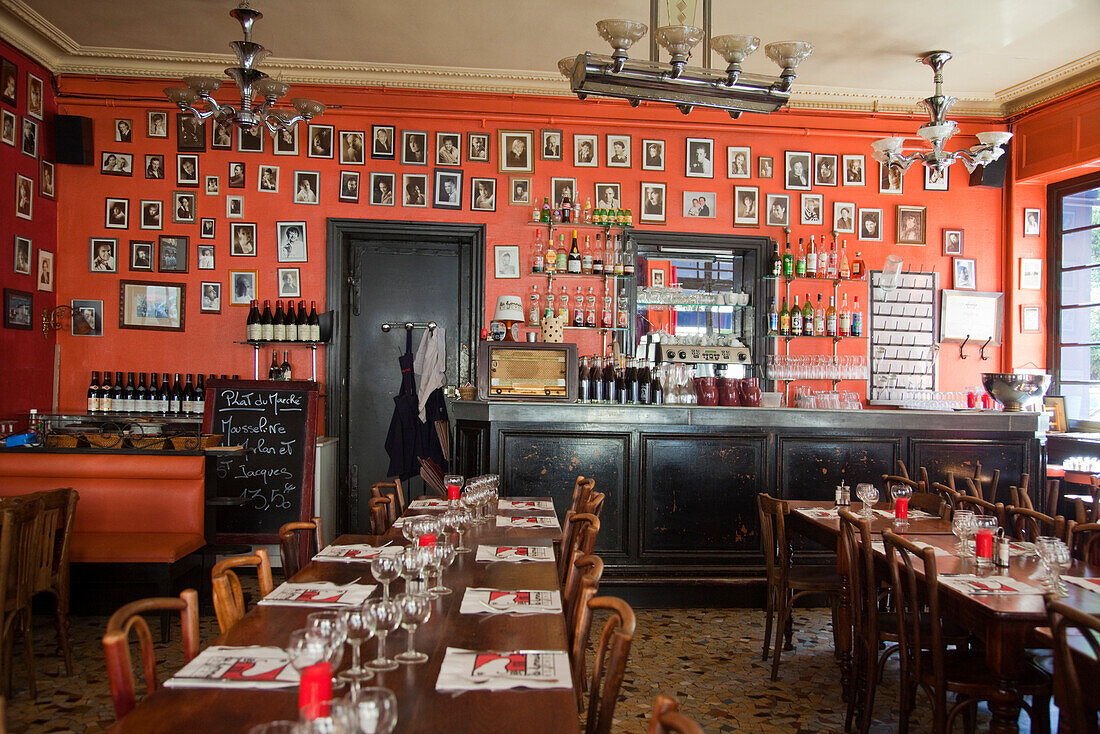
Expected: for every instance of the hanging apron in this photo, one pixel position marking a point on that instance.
(405, 425)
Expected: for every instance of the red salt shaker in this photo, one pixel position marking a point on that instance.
(988, 403)
(315, 690)
(426, 540)
(972, 398)
(983, 544)
(901, 508)
(453, 492)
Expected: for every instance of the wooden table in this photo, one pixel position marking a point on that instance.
(420, 707)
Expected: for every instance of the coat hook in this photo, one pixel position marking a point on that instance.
(981, 352)
(408, 326)
(961, 355)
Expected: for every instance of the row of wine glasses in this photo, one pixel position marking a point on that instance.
(816, 367)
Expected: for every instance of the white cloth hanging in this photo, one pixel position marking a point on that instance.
(430, 365)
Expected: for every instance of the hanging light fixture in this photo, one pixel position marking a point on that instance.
(938, 131)
(253, 83)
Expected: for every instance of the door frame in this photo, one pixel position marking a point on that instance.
(341, 282)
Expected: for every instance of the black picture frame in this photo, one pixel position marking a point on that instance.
(102, 255)
(185, 176)
(116, 213)
(443, 198)
(172, 253)
(798, 172)
(221, 135)
(477, 147)
(353, 147)
(206, 228)
(142, 255)
(483, 194)
(92, 311)
(180, 213)
(9, 82)
(151, 214)
(249, 142)
(552, 142)
(320, 141)
(349, 187)
(190, 133)
(154, 166)
(237, 177)
(18, 309)
(113, 163)
(382, 189)
(414, 147)
(152, 306)
(383, 144)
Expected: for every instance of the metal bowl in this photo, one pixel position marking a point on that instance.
(1015, 391)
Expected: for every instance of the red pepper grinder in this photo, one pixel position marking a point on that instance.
(315, 690)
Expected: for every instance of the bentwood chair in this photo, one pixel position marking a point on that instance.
(382, 515)
(228, 596)
(667, 719)
(581, 489)
(979, 506)
(859, 559)
(1083, 540)
(1052, 497)
(1024, 524)
(58, 513)
(1076, 666)
(578, 533)
(290, 543)
(390, 489)
(116, 645)
(609, 662)
(588, 570)
(20, 537)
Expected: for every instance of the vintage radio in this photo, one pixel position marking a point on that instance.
(527, 371)
(712, 355)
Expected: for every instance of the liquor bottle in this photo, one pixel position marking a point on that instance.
(129, 397)
(285, 370)
(118, 394)
(534, 313)
(622, 390)
(656, 389)
(628, 257)
(844, 271)
(550, 267)
(164, 399)
(597, 258)
(620, 260)
(546, 208)
(819, 318)
(267, 324)
(784, 319)
(273, 370)
(777, 262)
(175, 398)
(808, 317)
(629, 222)
(583, 387)
(154, 394)
(588, 210)
(608, 256)
(93, 394)
(811, 259)
(831, 318)
(278, 328)
(773, 318)
(823, 260)
(563, 306)
(200, 396)
(633, 389)
(595, 380)
(573, 261)
(590, 311)
(578, 308)
(609, 395)
(105, 393)
(550, 312)
(303, 323)
(314, 323)
(859, 269)
(586, 256)
(622, 317)
(141, 395)
(645, 383)
(187, 402)
(857, 318)
(538, 261)
(252, 324)
(796, 318)
(834, 264)
(563, 255)
(607, 320)
(291, 322)
(844, 318)
(566, 210)
(788, 261)
(800, 261)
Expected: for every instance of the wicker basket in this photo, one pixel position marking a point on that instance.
(210, 440)
(193, 443)
(467, 393)
(148, 442)
(104, 440)
(62, 440)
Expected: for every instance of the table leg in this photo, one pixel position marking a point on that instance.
(1004, 654)
(1005, 709)
(842, 627)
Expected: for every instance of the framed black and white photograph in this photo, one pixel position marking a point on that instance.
(92, 313)
(779, 210)
(292, 242)
(953, 242)
(1030, 319)
(353, 146)
(349, 186)
(516, 151)
(618, 151)
(103, 255)
(290, 283)
(237, 178)
(562, 189)
(414, 189)
(172, 254)
(506, 261)
(825, 169)
(870, 225)
(117, 164)
(30, 137)
(234, 207)
(46, 180)
(1031, 274)
(156, 306)
(738, 162)
(7, 127)
(183, 207)
(653, 203)
(190, 133)
(519, 191)
(483, 194)
(1032, 222)
(797, 174)
(187, 170)
(413, 145)
(211, 301)
(382, 142)
(116, 213)
(242, 239)
(142, 255)
(381, 189)
(206, 228)
(477, 147)
(448, 149)
(35, 96)
(307, 186)
(24, 197)
(608, 196)
(268, 181)
(911, 225)
(586, 150)
(154, 166)
(212, 185)
(844, 217)
(936, 180)
(156, 124)
(23, 250)
(890, 179)
(45, 271)
(320, 141)
(152, 214)
(221, 135)
(250, 142)
(854, 170)
(812, 207)
(551, 145)
(285, 141)
(746, 206)
(205, 256)
(9, 82)
(700, 158)
(124, 131)
(699, 204)
(242, 287)
(447, 189)
(653, 155)
(765, 166)
(18, 305)
(964, 274)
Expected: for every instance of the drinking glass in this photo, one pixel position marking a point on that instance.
(984, 522)
(387, 617)
(432, 559)
(900, 491)
(415, 611)
(335, 716)
(443, 555)
(376, 709)
(412, 560)
(305, 648)
(412, 528)
(452, 480)
(962, 524)
(433, 526)
(1055, 557)
(868, 495)
(360, 628)
(385, 568)
(462, 524)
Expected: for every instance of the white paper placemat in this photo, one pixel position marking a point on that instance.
(473, 670)
(527, 521)
(429, 504)
(504, 601)
(525, 504)
(514, 553)
(974, 585)
(1090, 584)
(356, 552)
(318, 594)
(223, 666)
(880, 547)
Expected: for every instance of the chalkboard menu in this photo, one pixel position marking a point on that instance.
(276, 423)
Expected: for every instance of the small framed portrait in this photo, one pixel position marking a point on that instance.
(234, 207)
(657, 277)
(586, 149)
(117, 213)
(936, 180)
(779, 210)
(9, 82)
(190, 134)
(952, 242)
(608, 196)
(483, 194)
(738, 162)
(1032, 222)
(205, 255)
(183, 207)
(415, 189)
(290, 285)
(890, 179)
(1031, 274)
(103, 255)
(477, 147)
(212, 185)
(18, 305)
(154, 166)
(24, 197)
(413, 145)
(353, 146)
(250, 142)
(519, 190)
(172, 254)
(320, 141)
(156, 124)
(268, 180)
(30, 137)
(447, 189)
(211, 301)
(1030, 319)
(242, 239)
(699, 204)
(746, 206)
(35, 96)
(7, 127)
(381, 189)
(92, 313)
(854, 166)
(561, 189)
(206, 228)
(618, 151)
(307, 185)
(46, 180)
(285, 142)
(812, 206)
(221, 135)
(870, 225)
(825, 169)
(515, 148)
(382, 137)
(349, 186)
(292, 242)
(124, 131)
(796, 167)
(156, 306)
(152, 214)
(551, 145)
(1056, 405)
(45, 271)
(448, 149)
(23, 248)
(653, 203)
(911, 225)
(700, 158)
(506, 261)
(117, 164)
(765, 166)
(242, 284)
(653, 155)
(964, 275)
(844, 217)
(236, 179)
(187, 170)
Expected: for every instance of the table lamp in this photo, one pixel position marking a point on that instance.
(509, 312)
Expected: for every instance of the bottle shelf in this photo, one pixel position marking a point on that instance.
(263, 343)
(806, 278)
(695, 305)
(583, 275)
(788, 337)
(581, 225)
(258, 345)
(596, 328)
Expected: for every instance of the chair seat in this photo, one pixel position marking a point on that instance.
(814, 578)
(133, 547)
(968, 675)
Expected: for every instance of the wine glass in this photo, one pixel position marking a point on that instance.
(868, 495)
(444, 552)
(462, 524)
(415, 611)
(1055, 557)
(305, 648)
(387, 617)
(376, 708)
(433, 526)
(432, 560)
(899, 492)
(412, 560)
(962, 524)
(450, 520)
(385, 568)
(412, 528)
(360, 627)
(335, 716)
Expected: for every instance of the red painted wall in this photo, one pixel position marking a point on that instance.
(27, 357)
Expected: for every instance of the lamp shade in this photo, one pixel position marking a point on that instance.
(509, 308)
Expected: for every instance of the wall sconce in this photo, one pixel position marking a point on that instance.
(51, 319)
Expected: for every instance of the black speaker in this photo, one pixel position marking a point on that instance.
(73, 140)
(993, 175)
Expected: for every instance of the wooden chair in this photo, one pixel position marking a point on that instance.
(578, 533)
(787, 583)
(667, 719)
(979, 507)
(1052, 497)
(1083, 540)
(915, 485)
(116, 644)
(1024, 524)
(381, 514)
(587, 572)
(926, 663)
(290, 544)
(1077, 703)
(228, 597)
(609, 662)
(20, 538)
(581, 489)
(931, 503)
(593, 504)
(946, 493)
(859, 560)
(391, 489)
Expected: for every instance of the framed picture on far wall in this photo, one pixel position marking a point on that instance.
(506, 261)
(413, 145)
(92, 312)
(1032, 220)
(936, 180)
(156, 124)
(746, 206)
(653, 155)
(447, 189)
(206, 228)
(765, 166)
(349, 186)
(290, 285)
(477, 147)
(812, 207)
(285, 141)
(205, 257)
(519, 191)
(562, 188)
(854, 166)
(952, 242)
(141, 256)
(382, 137)
(183, 207)
(551, 145)
(249, 142)
(236, 178)
(211, 297)
(699, 204)
(911, 225)
(242, 287)
(351, 147)
(7, 128)
(45, 271)
(608, 196)
(154, 166)
(35, 96)
(618, 151)
(870, 225)
(221, 135)
(9, 82)
(172, 254)
(117, 214)
(190, 134)
(414, 189)
(292, 242)
(381, 189)
(269, 180)
(515, 151)
(307, 187)
(23, 250)
(483, 194)
(653, 203)
(124, 131)
(739, 162)
(964, 275)
(152, 216)
(242, 239)
(187, 170)
(148, 305)
(103, 255)
(779, 210)
(24, 197)
(700, 158)
(1031, 274)
(824, 170)
(586, 151)
(320, 141)
(117, 164)
(890, 179)
(448, 149)
(18, 309)
(1030, 319)
(844, 217)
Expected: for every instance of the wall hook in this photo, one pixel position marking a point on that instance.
(981, 352)
(961, 355)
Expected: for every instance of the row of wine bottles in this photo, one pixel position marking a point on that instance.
(280, 371)
(165, 397)
(623, 381)
(818, 262)
(284, 325)
(806, 320)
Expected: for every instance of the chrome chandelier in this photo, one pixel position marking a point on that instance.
(938, 131)
(252, 82)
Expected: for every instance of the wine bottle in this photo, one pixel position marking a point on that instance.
(595, 378)
(93, 394)
(285, 371)
(303, 322)
(586, 256)
(154, 394)
(831, 318)
(573, 261)
(808, 317)
(314, 323)
(844, 318)
(633, 389)
(200, 396)
(834, 263)
(622, 394)
(620, 259)
(582, 381)
(175, 398)
(129, 396)
(656, 389)
(597, 257)
(290, 323)
(164, 400)
(105, 394)
(118, 394)
(273, 370)
(645, 383)
(141, 395)
(608, 381)
(252, 324)
(278, 327)
(267, 324)
(777, 262)
(187, 402)
(796, 318)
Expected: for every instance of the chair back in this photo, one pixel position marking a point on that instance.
(291, 537)
(381, 514)
(593, 505)
(20, 556)
(859, 560)
(579, 533)
(390, 489)
(116, 644)
(581, 489)
(587, 570)
(1083, 540)
(1076, 711)
(609, 662)
(931, 503)
(946, 493)
(915, 485)
(228, 597)
(667, 719)
(979, 506)
(1052, 496)
(773, 534)
(1024, 524)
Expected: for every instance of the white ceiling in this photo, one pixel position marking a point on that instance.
(1007, 52)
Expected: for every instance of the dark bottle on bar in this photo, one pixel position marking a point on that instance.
(633, 389)
(314, 323)
(187, 404)
(273, 370)
(141, 395)
(153, 395)
(105, 394)
(267, 324)
(175, 398)
(595, 381)
(656, 391)
(285, 371)
(645, 378)
(583, 388)
(290, 323)
(303, 322)
(164, 400)
(252, 324)
(117, 394)
(609, 395)
(93, 394)
(278, 327)
(129, 396)
(622, 390)
(777, 262)
(200, 396)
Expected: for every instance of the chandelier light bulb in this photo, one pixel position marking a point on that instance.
(678, 41)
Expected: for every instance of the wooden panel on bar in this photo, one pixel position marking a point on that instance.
(810, 467)
(1011, 458)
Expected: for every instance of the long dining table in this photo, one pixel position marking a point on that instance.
(420, 707)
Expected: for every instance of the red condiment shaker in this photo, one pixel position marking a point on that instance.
(426, 540)
(315, 690)
(983, 544)
(901, 508)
